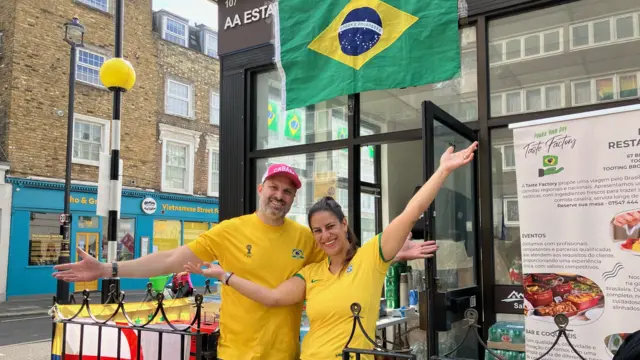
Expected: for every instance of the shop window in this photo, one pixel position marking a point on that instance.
(214, 115)
(175, 31)
(605, 88)
(179, 99)
(213, 150)
(178, 155)
(88, 67)
(368, 216)
(211, 44)
(167, 235)
(126, 239)
(192, 230)
(44, 239)
(90, 138)
(319, 176)
(506, 227)
(541, 61)
(400, 109)
(102, 5)
(311, 124)
(88, 222)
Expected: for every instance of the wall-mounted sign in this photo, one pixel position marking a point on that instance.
(243, 24)
(509, 299)
(149, 205)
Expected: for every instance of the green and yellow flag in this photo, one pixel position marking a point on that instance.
(294, 122)
(273, 111)
(348, 46)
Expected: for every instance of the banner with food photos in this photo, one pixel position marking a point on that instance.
(578, 181)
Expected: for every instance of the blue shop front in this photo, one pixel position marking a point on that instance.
(149, 222)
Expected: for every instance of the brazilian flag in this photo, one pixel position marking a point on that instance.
(549, 160)
(294, 121)
(348, 46)
(273, 110)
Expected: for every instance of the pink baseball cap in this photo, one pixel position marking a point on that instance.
(284, 170)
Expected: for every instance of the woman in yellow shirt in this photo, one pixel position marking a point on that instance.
(350, 274)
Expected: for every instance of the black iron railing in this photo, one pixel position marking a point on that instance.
(202, 344)
(471, 315)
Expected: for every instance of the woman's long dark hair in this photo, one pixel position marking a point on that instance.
(327, 203)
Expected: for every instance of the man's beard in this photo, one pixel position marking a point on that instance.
(268, 209)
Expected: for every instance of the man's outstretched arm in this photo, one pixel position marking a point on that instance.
(159, 263)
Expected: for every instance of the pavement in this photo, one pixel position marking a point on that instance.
(41, 304)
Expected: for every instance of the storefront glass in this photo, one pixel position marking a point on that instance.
(322, 173)
(167, 235)
(401, 109)
(126, 239)
(192, 230)
(581, 53)
(321, 122)
(45, 239)
(506, 226)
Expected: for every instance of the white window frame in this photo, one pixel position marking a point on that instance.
(185, 25)
(612, 30)
(182, 136)
(105, 142)
(508, 222)
(190, 99)
(523, 101)
(593, 90)
(213, 110)
(207, 45)
(523, 57)
(78, 63)
(88, 3)
(505, 167)
(213, 145)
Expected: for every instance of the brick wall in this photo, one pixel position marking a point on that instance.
(38, 118)
(203, 72)
(7, 15)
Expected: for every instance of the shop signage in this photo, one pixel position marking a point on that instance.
(578, 181)
(509, 299)
(243, 24)
(149, 205)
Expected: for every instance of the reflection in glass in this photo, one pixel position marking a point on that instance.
(392, 110)
(44, 239)
(274, 128)
(506, 225)
(567, 55)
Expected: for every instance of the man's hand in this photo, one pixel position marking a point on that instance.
(88, 269)
(413, 250)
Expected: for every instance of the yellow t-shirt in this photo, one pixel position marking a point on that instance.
(266, 255)
(329, 298)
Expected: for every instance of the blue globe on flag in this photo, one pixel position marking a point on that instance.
(360, 31)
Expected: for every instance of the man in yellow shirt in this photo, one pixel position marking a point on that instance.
(264, 247)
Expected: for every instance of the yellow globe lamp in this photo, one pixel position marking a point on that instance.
(117, 73)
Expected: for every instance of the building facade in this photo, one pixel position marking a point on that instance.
(169, 141)
(522, 60)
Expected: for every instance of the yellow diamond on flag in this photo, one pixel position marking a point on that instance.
(362, 30)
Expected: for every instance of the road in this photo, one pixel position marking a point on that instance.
(25, 338)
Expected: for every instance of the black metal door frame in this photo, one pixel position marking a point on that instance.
(444, 301)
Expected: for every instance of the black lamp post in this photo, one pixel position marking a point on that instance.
(74, 36)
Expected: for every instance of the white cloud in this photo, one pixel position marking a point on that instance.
(197, 11)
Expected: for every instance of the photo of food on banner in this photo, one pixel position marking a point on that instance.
(547, 295)
(625, 229)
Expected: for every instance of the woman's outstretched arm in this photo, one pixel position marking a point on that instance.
(289, 292)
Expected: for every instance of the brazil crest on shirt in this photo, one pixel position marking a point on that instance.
(331, 48)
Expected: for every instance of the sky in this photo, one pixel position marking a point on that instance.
(197, 11)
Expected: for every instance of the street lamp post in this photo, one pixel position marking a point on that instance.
(74, 36)
(118, 76)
